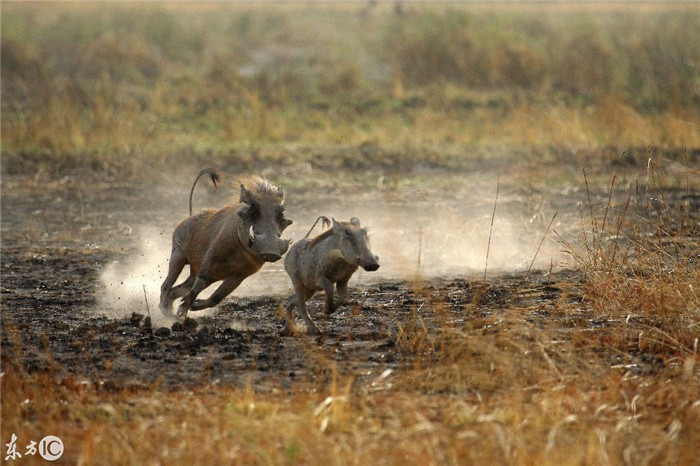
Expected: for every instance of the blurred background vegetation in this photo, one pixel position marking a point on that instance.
(120, 86)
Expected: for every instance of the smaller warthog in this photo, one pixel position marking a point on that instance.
(326, 260)
(229, 244)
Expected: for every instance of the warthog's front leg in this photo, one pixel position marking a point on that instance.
(342, 289)
(299, 298)
(221, 292)
(328, 287)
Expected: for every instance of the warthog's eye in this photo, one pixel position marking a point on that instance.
(250, 213)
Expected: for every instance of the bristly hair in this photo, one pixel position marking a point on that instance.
(321, 236)
(261, 188)
(326, 233)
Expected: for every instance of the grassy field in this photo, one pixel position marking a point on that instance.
(533, 93)
(118, 87)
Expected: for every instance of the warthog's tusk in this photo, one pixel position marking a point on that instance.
(251, 233)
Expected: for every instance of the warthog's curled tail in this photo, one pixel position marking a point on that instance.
(325, 222)
(215, 178)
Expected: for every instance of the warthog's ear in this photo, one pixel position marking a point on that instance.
(246, 196)
(338, 228)
(285, 223)
(355, 221)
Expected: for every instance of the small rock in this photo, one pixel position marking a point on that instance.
(163, 332)
(202, 335)
(136, 319)
(190, 324)
(177, 327)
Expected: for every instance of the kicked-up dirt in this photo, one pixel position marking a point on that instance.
(50, 325)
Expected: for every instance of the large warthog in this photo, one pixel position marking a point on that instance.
(229, 244)
(329, 259)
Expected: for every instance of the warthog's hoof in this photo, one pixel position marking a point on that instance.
(288, 331)
(166, 310)
(182, 311)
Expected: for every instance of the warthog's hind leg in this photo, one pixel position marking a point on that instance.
(221, 292)
(289, 309)
(177, 263)
(181, 290)
(311, 327)
(199, 285)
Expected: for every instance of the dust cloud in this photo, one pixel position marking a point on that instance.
(133, 283)
(449, 236)
(417, 235)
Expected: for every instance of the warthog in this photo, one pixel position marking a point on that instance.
(229, 244)
(319, 263)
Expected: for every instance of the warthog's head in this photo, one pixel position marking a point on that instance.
(353, 244)
(262, 214)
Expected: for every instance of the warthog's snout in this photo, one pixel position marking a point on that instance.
(371, 267)
(271, 247)
(271, 257)
(371, 263)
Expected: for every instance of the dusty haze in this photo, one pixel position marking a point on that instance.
(417, 232)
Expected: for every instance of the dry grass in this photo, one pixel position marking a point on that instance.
(121, 88)
(500, 390)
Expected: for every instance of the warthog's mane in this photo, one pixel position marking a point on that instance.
(261, 188)
(329, 232)
(321, 237)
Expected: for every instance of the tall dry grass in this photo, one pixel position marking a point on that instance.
(498, 389)
(639, 252)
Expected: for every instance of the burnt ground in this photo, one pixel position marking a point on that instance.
(51, 263)
(48, 325)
